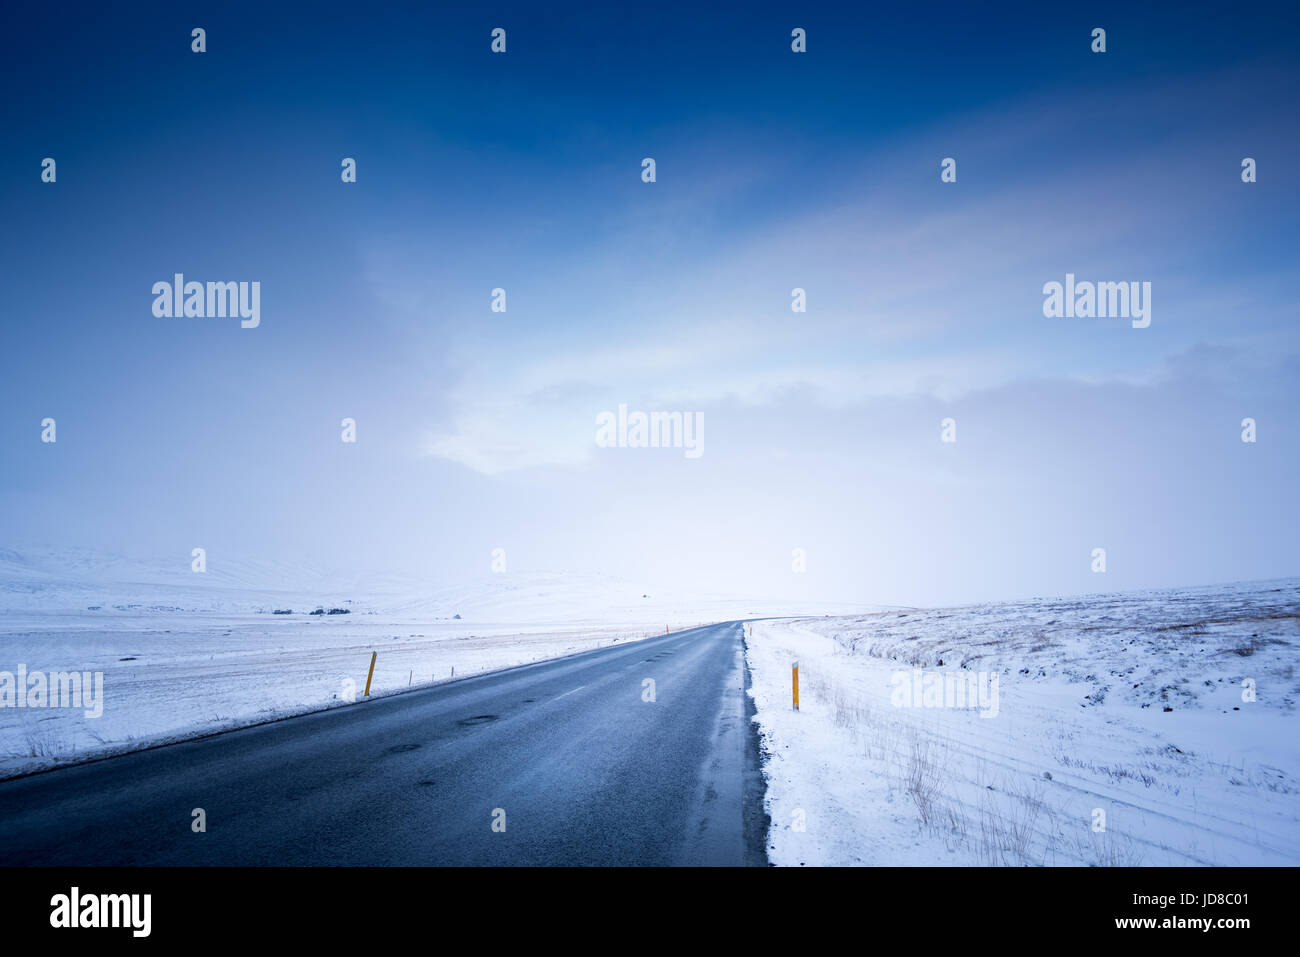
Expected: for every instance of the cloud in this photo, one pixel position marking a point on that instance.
(914, 288)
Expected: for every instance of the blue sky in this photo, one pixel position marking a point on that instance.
(774, 170)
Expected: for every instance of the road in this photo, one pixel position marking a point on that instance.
(566, 753)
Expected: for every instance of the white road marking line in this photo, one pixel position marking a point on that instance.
(567, 693)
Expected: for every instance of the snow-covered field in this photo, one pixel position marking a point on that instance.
(1116, 733)
(1108, 729)
(185, 653)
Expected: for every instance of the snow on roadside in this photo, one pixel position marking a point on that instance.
(184, 654)
(169, 677)
(1127, 706)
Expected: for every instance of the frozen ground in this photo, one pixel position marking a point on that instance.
(183, 653)
(1125, 705)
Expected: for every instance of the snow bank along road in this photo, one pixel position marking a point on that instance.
(567, 758)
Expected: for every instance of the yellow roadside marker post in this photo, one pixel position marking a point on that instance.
(373, 656)
(665, 629)
(795, 672)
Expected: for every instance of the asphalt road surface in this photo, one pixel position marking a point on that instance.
(567, 753)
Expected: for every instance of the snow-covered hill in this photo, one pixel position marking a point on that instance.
(1143, 728)
(45, 581)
